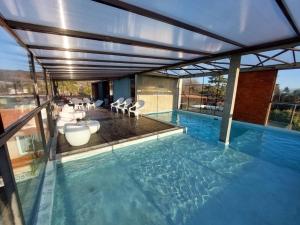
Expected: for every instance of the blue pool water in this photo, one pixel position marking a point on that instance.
(186, 179)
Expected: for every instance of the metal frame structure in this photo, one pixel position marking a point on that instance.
(204, 57)
(183, 62)
(221, 67)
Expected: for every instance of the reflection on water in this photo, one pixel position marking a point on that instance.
(184, 179)
(275, 146)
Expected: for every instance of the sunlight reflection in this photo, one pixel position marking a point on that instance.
(63, 25)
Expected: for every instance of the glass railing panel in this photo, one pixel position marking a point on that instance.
(28, 162)
(281, 115)
(296, 119)
(16, 85)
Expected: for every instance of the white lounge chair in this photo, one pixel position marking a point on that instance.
(136, 108)
(125, 105)
(116, 103)
(98, 103)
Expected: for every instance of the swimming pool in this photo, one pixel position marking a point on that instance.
(186, 179)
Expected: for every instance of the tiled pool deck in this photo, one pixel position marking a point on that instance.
(116, 131)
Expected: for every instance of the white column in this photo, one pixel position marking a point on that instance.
(179, 91)
(233, 76)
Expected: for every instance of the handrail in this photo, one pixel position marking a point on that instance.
(285, 103)
(16, 126)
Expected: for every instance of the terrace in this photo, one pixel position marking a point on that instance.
(217, 140)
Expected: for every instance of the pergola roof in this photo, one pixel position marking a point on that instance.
(173, 37)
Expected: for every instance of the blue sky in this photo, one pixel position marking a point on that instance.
(289, 78)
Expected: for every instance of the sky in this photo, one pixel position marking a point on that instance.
(288, 78)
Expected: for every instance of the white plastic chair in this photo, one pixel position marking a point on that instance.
(116, 103)
(136, 108)
(86, 100)
(67, 108)
(98, 103)
(125, 105)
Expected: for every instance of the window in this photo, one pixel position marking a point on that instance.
(204, 94)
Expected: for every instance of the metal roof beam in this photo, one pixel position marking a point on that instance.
(285, 11)
(96, 37)
(98, 66)
(100, 52)
(98, 60)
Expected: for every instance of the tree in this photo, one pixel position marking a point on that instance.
(286, 90)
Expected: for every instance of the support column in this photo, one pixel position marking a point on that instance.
(233, 76)
(48, 109)
(179, 92)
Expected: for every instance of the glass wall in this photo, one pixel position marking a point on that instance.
(28, 161)
(16, 84)
(285, 107)
(159, 93)
(204, 94)
(17, 99)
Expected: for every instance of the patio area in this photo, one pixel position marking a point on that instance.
(115, 128)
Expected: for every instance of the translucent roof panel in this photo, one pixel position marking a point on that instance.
(33, 38)
(294, 6)
(170, 72)
(180, 72)
(225, 60)
(197, 71)
(206, 66)
(85, 16)
(248, 22)
(80, 55)
(12, 56)
(70, 62)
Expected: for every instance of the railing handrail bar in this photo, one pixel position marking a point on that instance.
(16, 126)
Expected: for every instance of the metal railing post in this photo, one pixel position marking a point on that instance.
(36, 93)
(290, 126)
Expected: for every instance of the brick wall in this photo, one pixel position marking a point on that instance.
(254, 94)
